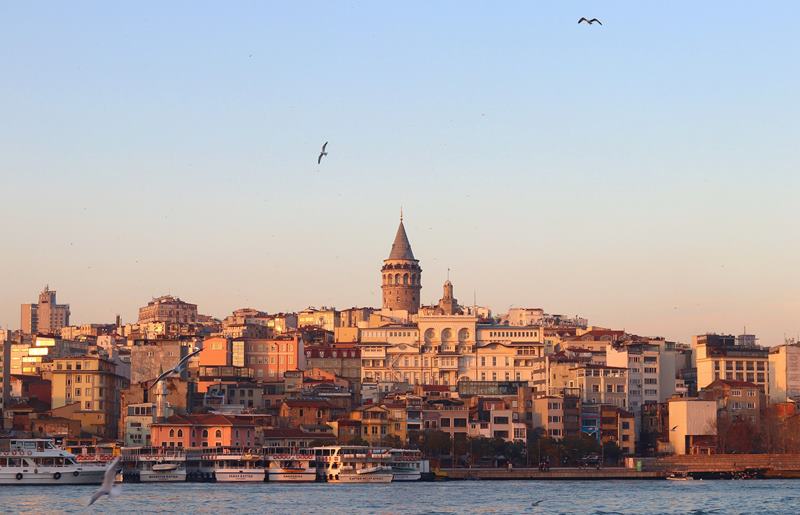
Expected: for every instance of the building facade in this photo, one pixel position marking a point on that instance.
(45, 317)
(168, 309)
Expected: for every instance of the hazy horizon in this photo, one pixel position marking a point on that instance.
(642, 174)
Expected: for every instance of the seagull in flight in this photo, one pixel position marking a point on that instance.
(107, 488)
(322, 153)
(178, 368)
(590, 22)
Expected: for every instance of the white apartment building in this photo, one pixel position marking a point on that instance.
(784, 372)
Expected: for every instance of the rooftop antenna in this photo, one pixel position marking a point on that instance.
(448, 273)
(401, 214)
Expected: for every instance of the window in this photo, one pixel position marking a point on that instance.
(205, 433)
(180, 433)
(218, 434)
(172, 433)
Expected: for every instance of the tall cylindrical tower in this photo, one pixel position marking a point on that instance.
(401, 275)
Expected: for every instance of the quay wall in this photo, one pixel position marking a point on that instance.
(552, 474)
(774, 463)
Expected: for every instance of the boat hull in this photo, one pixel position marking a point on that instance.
(239, 475)
(8, 476)
(154, 476)
(293, 476)
(406, 475)
(381, 477)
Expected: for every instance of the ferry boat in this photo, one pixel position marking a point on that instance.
(291, 466)
(352, 464)
(154, 464)
(235, 465)
(408, 465)
(40, 462)
(90, 450)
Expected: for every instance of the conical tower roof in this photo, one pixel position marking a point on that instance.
(401, 248)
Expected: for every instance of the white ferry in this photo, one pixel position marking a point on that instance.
(291, 467)
(155, 464)
(40, 462)
(408, 465)
(353, 464)
(232, 465)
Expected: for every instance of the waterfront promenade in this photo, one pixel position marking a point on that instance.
(777, 466)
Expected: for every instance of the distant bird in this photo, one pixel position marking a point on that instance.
(322, 153)
(107, 488)
(674, 428)
(590, 22)
(537, 503)
(177, 370)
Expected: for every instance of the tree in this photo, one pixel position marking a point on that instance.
(434, 443)
(393, 441)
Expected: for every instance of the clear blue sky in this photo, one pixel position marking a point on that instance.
(643, 174)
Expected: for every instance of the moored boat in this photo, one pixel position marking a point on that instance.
(353, 464)
(154, 464)
(40, 462)
(408, 464)
(291, 467)
(236, 465)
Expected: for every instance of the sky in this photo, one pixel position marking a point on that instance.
(642, 173)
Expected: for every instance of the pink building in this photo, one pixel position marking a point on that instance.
(202, 431)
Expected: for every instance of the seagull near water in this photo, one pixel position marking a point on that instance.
(177, 369)
(590, 22)
(107, 488)
(322, 153)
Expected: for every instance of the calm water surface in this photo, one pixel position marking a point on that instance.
(599, 497)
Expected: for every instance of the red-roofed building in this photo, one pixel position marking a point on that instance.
(208, 430)
(736, 400)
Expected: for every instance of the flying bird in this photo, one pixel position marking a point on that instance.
(322, 153)
(537, 503)
(590, 22)
(107, 488)
(178, 368)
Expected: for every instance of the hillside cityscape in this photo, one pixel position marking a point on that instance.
(466, 386)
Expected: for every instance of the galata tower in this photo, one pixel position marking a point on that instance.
(402, 275)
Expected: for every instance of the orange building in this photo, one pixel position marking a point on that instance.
(302, 411)
(203, 431)
(271, 359)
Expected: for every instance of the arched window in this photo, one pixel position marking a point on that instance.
(180, 433)
(172, 433)
(218, 434)
(447, 334)
(429, 333)
(405, 279)
(205, 433)
(397, 278)
(463, 335)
